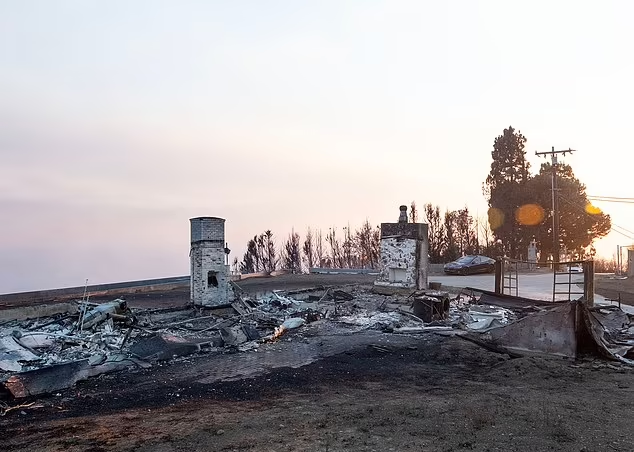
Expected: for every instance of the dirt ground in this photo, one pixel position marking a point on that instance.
(613, 288)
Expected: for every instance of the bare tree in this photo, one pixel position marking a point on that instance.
(309, 250)
(413, 213)
(291, 254)
(257, 258)
(270, 252)
(348, 248)
(486, 237)
(451, 251)
(366, 240)
(375, 246)
(436, 232)
(260, 255)
(319, 249)
(247, 265)
(336, 255)
(250, 261)
(466, 234)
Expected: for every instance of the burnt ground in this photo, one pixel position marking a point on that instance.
(368, 391)
(427, 392)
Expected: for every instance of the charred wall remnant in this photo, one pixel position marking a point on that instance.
(404, 248)
(209, 273)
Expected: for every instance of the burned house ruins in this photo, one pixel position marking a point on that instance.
(404, 259)
(78, 333)
(209, 274)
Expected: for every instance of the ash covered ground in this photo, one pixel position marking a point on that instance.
(332, 385)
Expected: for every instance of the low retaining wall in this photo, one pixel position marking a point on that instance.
(346, 271)
(34, 312)
(146, 285)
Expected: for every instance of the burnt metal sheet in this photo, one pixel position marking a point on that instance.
(603, 328)
(59, 376)
(163, 347)
(512, 302)
(46, 379)
(551, 332)
(12, 354)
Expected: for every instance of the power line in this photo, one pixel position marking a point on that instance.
(613, 225)
(614, 199)
(617, 200)
(620, 198)
(626, 230)
(620, 232)
(621, 227)
(577, 206)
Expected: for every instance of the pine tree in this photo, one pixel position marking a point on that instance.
(506, 189)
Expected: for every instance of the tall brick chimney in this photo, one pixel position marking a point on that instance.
(209, 273)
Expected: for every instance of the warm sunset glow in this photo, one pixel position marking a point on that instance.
(121, 120)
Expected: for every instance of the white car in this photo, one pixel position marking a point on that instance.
(575, 268)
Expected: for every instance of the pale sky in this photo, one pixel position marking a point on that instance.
(120, 120)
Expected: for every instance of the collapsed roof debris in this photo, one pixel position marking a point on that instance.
(47, 354)
(522, 326)
(612, 330)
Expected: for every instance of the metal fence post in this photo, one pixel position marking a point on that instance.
(499, 272)
(588, 283)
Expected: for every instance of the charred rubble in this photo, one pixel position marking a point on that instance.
(48, 354)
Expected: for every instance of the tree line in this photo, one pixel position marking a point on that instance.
(452, 233)
(349, 249)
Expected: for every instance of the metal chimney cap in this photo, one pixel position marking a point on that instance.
(403, 216)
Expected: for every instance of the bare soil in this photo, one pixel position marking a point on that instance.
(615, 289)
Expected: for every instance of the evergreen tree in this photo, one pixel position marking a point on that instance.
(506, 189)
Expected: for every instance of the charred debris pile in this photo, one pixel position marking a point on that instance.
(46, 354)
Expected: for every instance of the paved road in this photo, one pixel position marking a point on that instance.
(538, 286)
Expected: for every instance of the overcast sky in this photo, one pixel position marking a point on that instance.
(120, 120)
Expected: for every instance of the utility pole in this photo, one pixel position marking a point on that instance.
(555, 199)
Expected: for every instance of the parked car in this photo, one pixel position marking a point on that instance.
(468, 265)
(575, 268)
